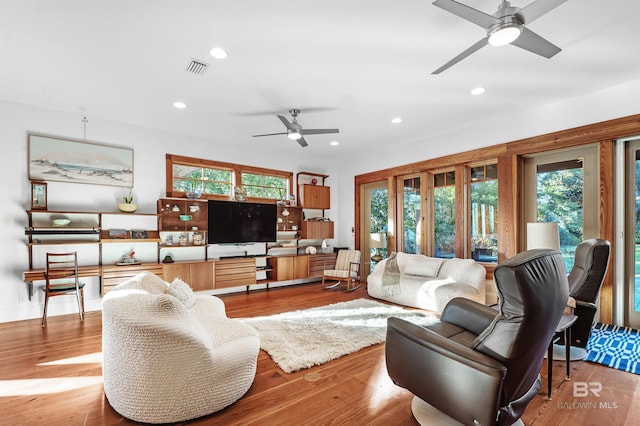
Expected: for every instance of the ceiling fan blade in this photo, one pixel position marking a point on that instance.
(270, 134)
(302, 142)
(318, 131)
(465, 12)
(532, 42)
(480, 44)
(286, 122)
(317, 109)
(534, 10)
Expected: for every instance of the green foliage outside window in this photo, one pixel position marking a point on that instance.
(379, 200)
(560, 199)
(264, 186)
(444, 222)
(202, 179)
(484, 218)
(411, 215)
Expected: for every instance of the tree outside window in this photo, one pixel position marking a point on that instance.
(202, 179)
(559, 197)
(484, 213)
(444, 214)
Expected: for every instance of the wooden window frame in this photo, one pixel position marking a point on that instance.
(236, 169)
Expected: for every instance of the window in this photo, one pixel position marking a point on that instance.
(484, 213)
(218, 180)
(375, 223)
(202, 179)
(410, 222)
(444, 214)
(265, 186)
(562, 187)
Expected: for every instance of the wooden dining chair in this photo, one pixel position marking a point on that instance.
(61, 279)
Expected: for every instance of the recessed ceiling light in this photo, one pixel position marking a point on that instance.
(334, 143)
(396, 120)
(180, 105)
(218, 53)
(478, 91)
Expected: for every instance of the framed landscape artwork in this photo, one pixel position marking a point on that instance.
(63, 160)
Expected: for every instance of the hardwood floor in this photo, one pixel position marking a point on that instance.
(52, 376)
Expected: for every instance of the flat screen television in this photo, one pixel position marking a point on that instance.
(233, 222)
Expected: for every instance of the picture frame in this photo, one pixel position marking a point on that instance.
(38, 195)
(139, 234)
(118, 234)
(72, 161)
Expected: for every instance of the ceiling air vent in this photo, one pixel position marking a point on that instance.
(197, 67)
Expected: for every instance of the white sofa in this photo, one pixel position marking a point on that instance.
(171, 355)
(426, 282)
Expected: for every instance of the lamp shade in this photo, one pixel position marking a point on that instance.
(378, 240)
(543, 235)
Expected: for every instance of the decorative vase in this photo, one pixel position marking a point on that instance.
(127, 208)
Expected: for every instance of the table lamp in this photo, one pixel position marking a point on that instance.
(543, 235)
(377, 241)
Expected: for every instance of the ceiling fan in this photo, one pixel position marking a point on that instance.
(506, 26)
(295, 130)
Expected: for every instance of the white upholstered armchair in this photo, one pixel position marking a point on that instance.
(170, 355)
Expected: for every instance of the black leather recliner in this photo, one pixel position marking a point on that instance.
(585, 281)
(479, 365)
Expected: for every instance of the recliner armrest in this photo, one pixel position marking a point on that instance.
(468, 314)
(440, 371)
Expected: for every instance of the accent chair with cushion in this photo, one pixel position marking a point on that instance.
(478, 365)
(346, 270)
(170, 355)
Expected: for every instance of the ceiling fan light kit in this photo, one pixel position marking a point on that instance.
(504, 34)
(293, 134)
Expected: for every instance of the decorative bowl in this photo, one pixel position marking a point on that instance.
(193, 195)
(127, 208)
(61, 221)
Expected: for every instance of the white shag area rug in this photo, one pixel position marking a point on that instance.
(301, 339)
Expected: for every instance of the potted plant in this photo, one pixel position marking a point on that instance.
(127, 205)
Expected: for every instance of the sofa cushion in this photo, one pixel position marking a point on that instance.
(423, 266)
(182, 291)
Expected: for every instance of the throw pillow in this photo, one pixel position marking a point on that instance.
(183, 292)
(423, 266)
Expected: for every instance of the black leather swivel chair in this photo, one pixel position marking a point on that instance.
(585, 280)
(479, 365)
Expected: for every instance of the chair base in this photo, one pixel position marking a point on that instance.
(331, 286)
(426, 414)
(337, 285)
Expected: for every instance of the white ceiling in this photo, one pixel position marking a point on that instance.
(363, 61)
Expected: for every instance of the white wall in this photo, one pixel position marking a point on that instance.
(150, 147)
